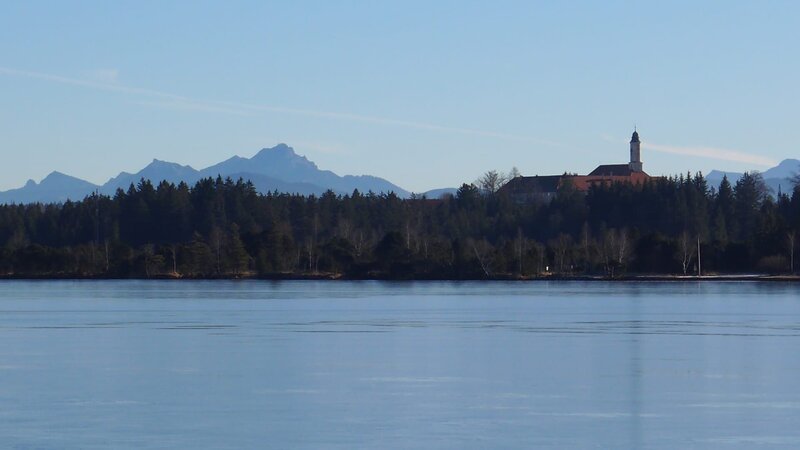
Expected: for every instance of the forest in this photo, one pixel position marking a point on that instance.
(221, 228)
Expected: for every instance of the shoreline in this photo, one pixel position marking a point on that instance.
(340, 277)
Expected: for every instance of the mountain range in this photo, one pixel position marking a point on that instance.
(272, 169)
(777, 178)
(281, 169)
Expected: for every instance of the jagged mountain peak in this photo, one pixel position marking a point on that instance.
(54, 175)
(159, 163)
(276, 168)
(281, 152)
(157, 171)
(57, 178)
(280, 148)
(55, 187)
(777, 178)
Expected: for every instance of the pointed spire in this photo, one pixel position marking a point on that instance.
(635, 136)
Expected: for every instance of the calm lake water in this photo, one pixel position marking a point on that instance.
(251, 364)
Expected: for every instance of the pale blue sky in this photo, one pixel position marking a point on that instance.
(426, 94)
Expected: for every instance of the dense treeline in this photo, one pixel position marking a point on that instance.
(222, 228)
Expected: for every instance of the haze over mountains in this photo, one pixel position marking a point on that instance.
(281, 169)
(55, 187)
(272, 169)
(777, 178)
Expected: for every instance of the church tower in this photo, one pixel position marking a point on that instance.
(636, 156)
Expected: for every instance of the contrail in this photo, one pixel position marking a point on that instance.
(175, 101)
(89, 84)
(722, 154)
(713, 153)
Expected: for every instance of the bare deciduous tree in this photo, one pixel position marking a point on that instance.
(561, 246)
(623, 247)
(586, 245)
(685, 251)
(540, 256)
(520, 246)
(483, 253)
(216, 240)
(152, 261)
(490, 181)
(344, 228)
(493, 180)
(173, 249)
(615, 250)
(105, 244)
(359, 243)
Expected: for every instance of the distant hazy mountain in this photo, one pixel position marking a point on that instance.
(777, 178)
(786, 169)
(715, 177)
(436, 194)
(271, 169)
(156, 172)
(282, 163)
(55, 187)
(265, 184)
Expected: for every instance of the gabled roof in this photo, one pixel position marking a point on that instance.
(612, 170)
(548, 183)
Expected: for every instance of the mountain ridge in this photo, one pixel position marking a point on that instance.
(56, 187)
(278, 168)
(777, 178)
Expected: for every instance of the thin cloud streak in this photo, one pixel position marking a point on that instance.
(187, 103)
(394, 122)
(712, 153)
(700, 151)
(89, 84)
(182, 105)
(107, 76)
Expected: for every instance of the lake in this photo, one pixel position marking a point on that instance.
(343, 365)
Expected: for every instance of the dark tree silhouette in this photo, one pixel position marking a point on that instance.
(224, 228)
